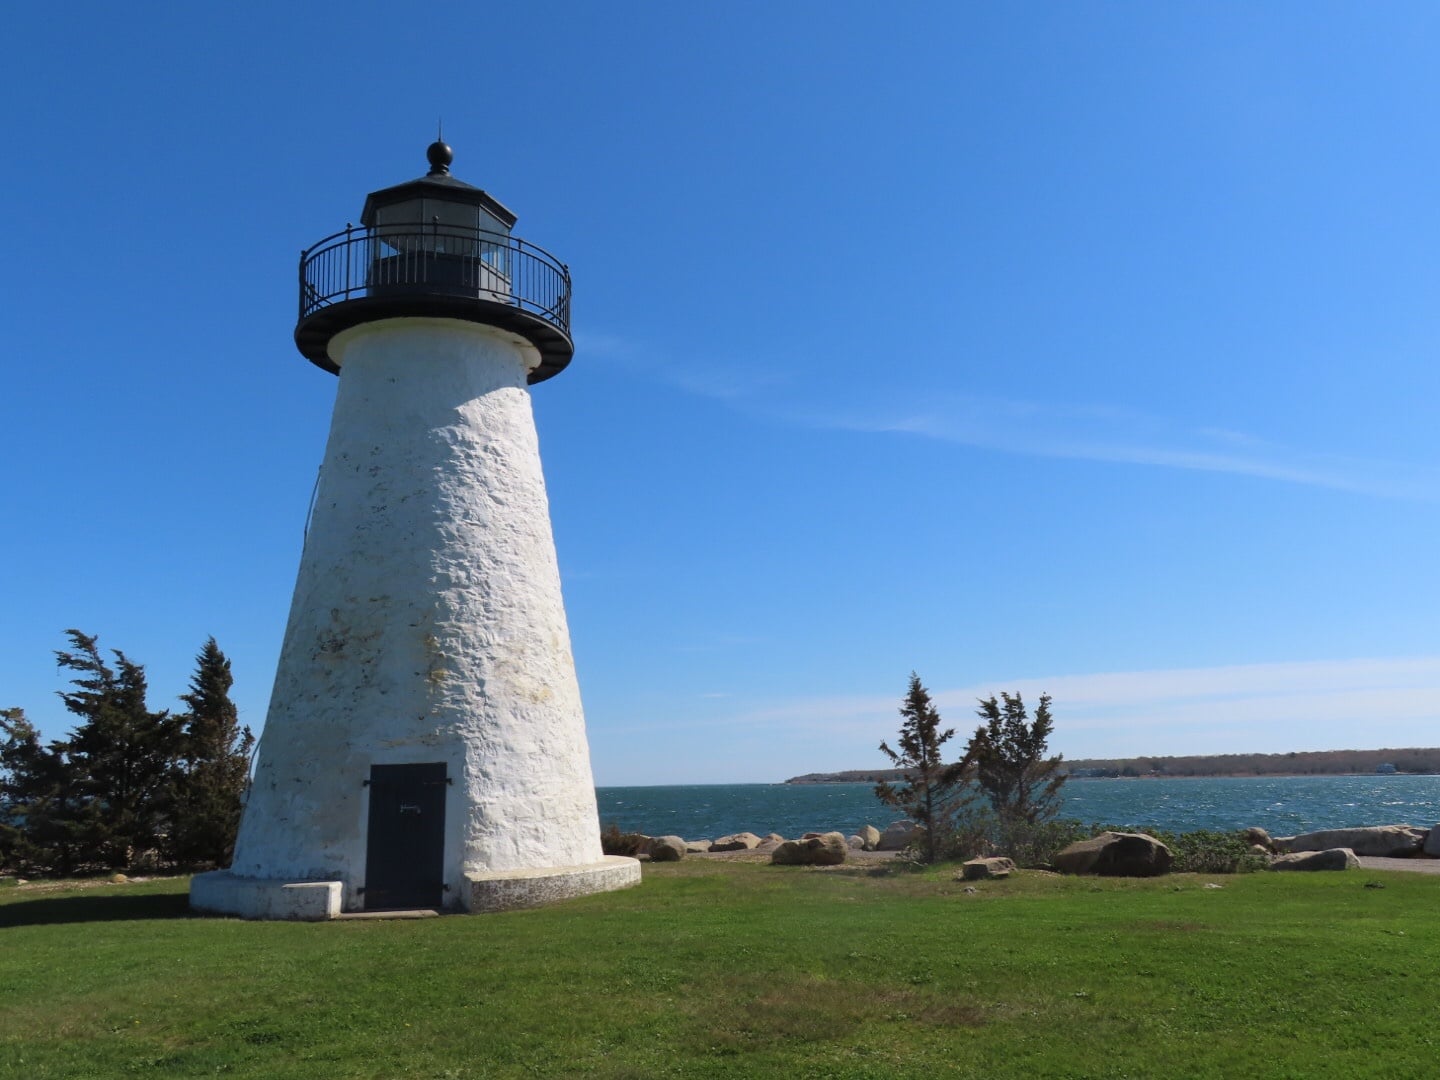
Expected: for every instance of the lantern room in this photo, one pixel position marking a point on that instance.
(438, 215)
(434, 247)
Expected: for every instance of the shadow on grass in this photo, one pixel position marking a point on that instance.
(47, 910)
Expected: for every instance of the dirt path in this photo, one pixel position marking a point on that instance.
(1414, 866)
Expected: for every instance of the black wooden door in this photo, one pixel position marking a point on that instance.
(405, 847)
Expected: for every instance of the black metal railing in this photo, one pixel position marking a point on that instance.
(396, 261)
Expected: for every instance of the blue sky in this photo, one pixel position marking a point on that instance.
(1087, 348)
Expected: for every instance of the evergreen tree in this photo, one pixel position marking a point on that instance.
(216, 764)
(37, 801)
(933, 791)
(124, 756)
(1022, 784)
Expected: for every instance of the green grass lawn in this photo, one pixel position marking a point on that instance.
(736, 969)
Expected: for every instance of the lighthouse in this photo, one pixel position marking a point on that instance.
(425, 746)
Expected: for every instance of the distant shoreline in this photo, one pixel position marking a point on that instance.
(1410, 761)
(801, 781)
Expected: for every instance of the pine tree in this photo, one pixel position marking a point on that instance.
(933, 791)
(37, 801)
(1022, 784)
(124, 756)
(216, 764)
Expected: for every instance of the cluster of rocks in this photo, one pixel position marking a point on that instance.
(812, 849)
(1120, 854)
(1339, 849)
(1113, 854)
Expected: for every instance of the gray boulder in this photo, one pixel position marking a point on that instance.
(1113, 854)
(898, 835)
(1386, 841)
(855, 843)
(1333, 859)
(871, 836)
(979, 869)
(1432, 842)
(773, 838)
(666, 849)
(1257, 837)
(697, 847)
(740, 841)
(822, 850)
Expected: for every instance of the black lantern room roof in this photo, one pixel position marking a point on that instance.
(437, 184)
(437, 247)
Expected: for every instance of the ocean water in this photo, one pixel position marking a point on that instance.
(1284, 805)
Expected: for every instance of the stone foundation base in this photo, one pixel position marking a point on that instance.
(506, 890)
(222, 893)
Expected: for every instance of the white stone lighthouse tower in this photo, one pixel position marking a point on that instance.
(425, 745)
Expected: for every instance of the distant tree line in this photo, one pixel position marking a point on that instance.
(129, 785)
(1296, 763)
(1417, 760)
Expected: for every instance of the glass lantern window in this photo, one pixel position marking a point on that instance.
(491, 224)
(428, 224)
(449, 228)
(397, 224)
(495, 244)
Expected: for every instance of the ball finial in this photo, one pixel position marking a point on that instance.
(440, 156)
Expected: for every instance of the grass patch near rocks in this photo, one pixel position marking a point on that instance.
(716, 968)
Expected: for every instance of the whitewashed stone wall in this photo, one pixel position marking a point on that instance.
(427, 622)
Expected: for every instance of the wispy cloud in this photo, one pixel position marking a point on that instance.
(734, 384)
(719, 642)
(1102, 433)
(1244, 708)
(1083, 431)
(1252, 708)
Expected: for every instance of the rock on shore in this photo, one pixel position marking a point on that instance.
(742, 841)
(1386, 841)
(1330, 859)
(898, 835)
(1115, 854)
(826, 849)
